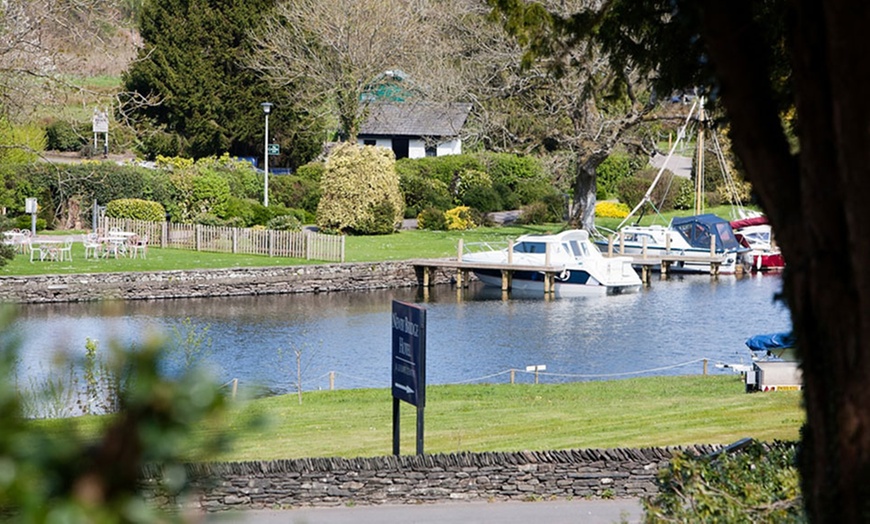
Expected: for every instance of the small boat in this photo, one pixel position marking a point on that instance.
(772, 346)
(755, 234)
(581, 268)
(692, 236)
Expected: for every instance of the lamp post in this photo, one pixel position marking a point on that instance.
(267, 108)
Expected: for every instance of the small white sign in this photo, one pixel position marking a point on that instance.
(536, 368)
(101, 122)
(30, 205)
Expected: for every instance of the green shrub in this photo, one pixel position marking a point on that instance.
(284, 223)
(208, 219)
(295, 192)
(685, 194)
(160, 143)
(421, 192)
(432, 219)
(757, 484)
(136, 209)
(534, 213)
(468, 180)
(359, 188)
(62, 136)
(484, 199)
(510, 169)
(241, 210)
(631, 190)
(25, 222)
(312, 171)
(616, 167)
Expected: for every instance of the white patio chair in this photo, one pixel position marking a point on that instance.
(35, 251)
(138, 245)
(92, 245)
(65, 252)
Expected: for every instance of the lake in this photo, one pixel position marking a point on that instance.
(473, 335)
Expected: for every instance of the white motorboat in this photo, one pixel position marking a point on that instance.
(581, 268)
(696, 236)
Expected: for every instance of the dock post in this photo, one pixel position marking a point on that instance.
(644, 273)
(513, 375)
(705, 367)
(425, 276)
(621, 242)
(667, 242)
(549, 283)
(643, 249)
(610, 246)
(332, 381)
(666, 265)
(459, 249)
(506, 278)
(511, 252)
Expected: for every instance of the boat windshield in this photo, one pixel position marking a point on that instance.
(530, 247)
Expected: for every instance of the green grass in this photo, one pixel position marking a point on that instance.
(656, 411)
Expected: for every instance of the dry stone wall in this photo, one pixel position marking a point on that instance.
(212, 282)
(524, 476)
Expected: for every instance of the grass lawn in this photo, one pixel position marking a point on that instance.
(642, 412)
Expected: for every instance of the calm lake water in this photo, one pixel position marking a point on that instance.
(473, 335)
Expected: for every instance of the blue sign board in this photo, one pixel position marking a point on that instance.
(409, 353)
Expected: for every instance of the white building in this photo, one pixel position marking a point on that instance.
(415, 129)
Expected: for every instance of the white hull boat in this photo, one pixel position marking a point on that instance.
(582, 270)
(694, 236)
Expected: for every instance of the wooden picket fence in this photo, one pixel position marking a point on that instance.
(294, 244)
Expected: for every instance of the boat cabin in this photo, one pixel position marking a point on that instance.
(697, 231)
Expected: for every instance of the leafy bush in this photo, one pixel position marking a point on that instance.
(443, 168)
(611, 210)
(616, 167)
(23, 143)
(459, 218)
(241, 210)
(510, 169)
(25, 222)
(484, 199)
(534, 213)
(468, 180)
(295, 192)
(685, 191)
(360, 191)
(312, 171)
(433, 219)
(758, 484)
(136, 209)
(160, 143)
(62, 136)
(284, 223)
(631, 190)
(421, 193)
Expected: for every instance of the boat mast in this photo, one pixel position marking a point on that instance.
(647, 197)
(699, 165)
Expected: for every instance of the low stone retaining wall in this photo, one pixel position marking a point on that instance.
(524, 476)
(212, 282)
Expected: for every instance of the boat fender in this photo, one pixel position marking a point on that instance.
(565, 275)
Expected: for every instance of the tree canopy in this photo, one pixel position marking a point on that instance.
(792, 79)
(190, 73)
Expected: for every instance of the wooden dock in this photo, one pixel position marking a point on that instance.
(648, 262)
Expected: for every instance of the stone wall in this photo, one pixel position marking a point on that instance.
(212, 282)
(524, 476)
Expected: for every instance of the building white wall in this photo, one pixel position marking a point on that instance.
(417, 147)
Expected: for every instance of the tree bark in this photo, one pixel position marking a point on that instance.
(585, 189)
(815, 201)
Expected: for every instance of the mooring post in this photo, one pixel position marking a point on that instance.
(459, 250)
(513, 375)
(332, 381)
(705, 367)
(235, 387)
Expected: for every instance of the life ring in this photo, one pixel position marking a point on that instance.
(565, 275)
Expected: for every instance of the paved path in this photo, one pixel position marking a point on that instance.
(579, 511)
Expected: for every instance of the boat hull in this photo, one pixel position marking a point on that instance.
(573, 283)
(728, 267)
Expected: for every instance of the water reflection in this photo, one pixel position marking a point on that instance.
(472, 333)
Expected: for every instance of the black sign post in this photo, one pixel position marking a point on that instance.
(409, 365)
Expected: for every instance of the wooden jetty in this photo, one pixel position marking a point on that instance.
(648, 263)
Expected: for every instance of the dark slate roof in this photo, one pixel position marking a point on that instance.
(415, 119)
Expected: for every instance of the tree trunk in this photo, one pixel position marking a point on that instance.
(585, 189)
(817, 204)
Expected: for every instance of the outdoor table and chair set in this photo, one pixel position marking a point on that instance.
(113, 243)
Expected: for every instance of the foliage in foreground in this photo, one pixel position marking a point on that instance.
(62, 476)
(760, 483)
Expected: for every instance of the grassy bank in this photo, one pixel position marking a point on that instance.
(657, 411)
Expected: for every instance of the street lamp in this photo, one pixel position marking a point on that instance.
(267, 108)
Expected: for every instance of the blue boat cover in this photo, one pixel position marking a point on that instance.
(770, 341)
(698, 229)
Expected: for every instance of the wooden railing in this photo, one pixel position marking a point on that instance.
(294, 244)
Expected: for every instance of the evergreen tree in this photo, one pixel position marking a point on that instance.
(198, 90)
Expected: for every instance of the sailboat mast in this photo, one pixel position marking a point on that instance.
(699, 164)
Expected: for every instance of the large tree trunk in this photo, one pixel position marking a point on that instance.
(817, 205)
(585, 188)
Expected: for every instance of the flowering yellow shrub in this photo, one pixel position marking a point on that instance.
(459, 218)
(611, 210)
